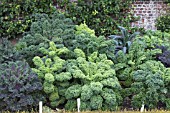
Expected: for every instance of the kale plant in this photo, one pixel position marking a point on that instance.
(125, 64)
(8, 52)
(51, 71)
(141, 76)
(96, 84)
(154, 39)
(123, 42)
(164, 57)
(90, 78)
(20, 88)
(148, 85)
(61, 30)
(167, 84)
(46, 28)
(83, 27)
(86, 40)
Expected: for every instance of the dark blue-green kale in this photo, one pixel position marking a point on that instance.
(8, 52)
(20, 88)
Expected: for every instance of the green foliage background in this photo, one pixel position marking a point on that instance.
(103, 16)
(162, 22)
(16, 15)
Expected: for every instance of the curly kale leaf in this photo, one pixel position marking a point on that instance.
(110, 98)
(48, 87)
(49, 77)
(96, 102)
(86, 93)
(73, 92)
(71, 105)
(8, 52)
(64, 76)
(96, 87)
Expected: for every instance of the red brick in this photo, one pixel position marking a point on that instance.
(139, 12)
(148, 10)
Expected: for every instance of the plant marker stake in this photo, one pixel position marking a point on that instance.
(78, 104)
(142, 108)
(40, 107)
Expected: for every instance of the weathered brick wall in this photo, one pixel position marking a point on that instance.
(148, 10)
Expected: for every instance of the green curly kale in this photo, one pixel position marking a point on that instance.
(61, 31)
(93, 74)
(85, 105)
(141, 76)
(64, 76)
(110, 99)
(79, 53)
(80, 76)
(84, 27)
(54, 96)
(73, 92)
(125, 64)
(86, 93)
(148, 86)
(49, 69)
(48, 87)
(8, 52)
(55, 27)
(71, 105)
(49, 77)
(86, 40)
(96, 102)
(96, 87)
(167, 76)
(167, 85)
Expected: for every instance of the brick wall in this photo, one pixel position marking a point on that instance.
(148, 10)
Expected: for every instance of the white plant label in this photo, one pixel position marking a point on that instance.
(40, 107)
(78, 104)
(142, 108)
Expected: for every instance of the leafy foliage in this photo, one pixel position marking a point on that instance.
(50, 70)
(127, 63)
(123, 42)
(16, 15)
(71, 78)
(163, 23)
(59, 29)
(152, 41)
(167, 84)
(8, 52)
(158, 40)
(83, 27)
(20, 87)
(88, 42)
(97, 84)
(164, 57)
(141, 75)
(46, 28)
(103, 16)
(148, 86)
